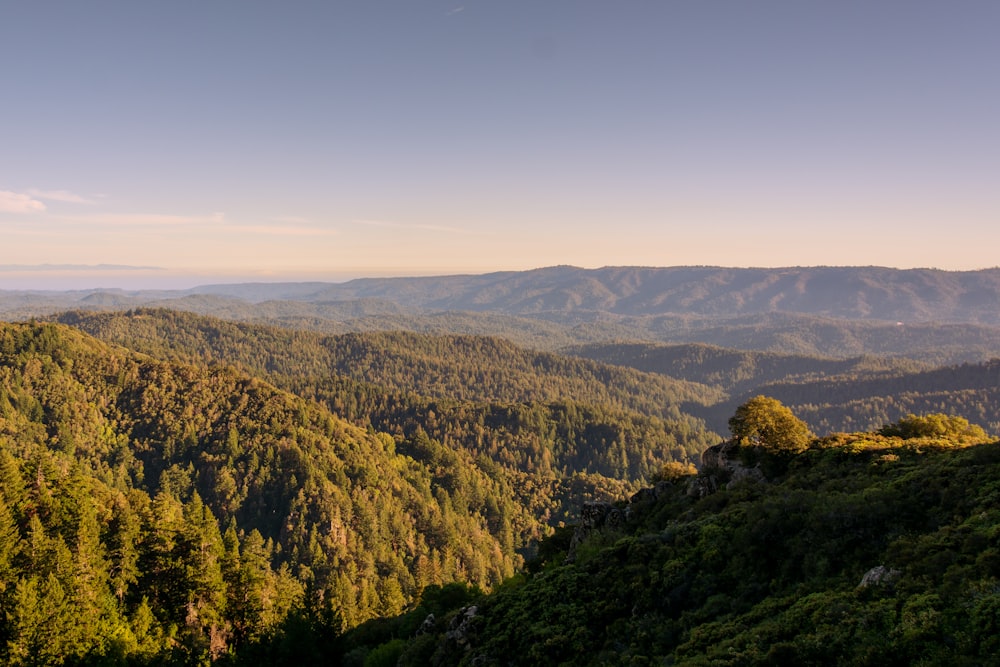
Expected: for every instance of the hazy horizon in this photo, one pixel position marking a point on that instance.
(318, 139)
(48, 278)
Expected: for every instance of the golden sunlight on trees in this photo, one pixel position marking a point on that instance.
(764, 422)
(936, 426)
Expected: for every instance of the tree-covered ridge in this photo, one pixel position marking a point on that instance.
(155, 508)
(812, 335)
(861, 393)
(842, 292)
(867, 292)
(736, 371)
(473, 368)
(775, 331)
(863, 549)
(164, 512)
(968, 390)
(533, 412)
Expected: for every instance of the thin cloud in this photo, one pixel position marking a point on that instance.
(402, 225)
(291, 220)
(15, 202)
(144, 219)
(284, 226)
(454, 11)
(59, 195)
(282, 230)
(77, 267)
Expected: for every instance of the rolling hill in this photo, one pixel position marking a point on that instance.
(910, 295)
(536, 411)
(177, 488)
(857, 394)
(938, 316)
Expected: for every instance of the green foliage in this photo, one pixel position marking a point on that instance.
(539, 413)
(119, 471)
(186, 512)
(860, 393)
(196, 513)
(844, 312)
(385, 655)
(935, 425)
(738, 370)
(763, 422)
(673, 471)
(772, 573)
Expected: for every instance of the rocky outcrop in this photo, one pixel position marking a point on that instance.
(701, 486)
(593, 516)
(461, 629)
(721, 466)
(427, 626)
(880, 575)
(648, 495)
(719, 457)
(596, 516)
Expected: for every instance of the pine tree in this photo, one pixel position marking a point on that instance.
(10, 546)
(124, 533)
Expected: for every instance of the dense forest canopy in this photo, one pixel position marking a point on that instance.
(183, 489)
(862, 549)
(190, 471)
(532, 410)
(186, 474)
(684, 384)
(830, 395)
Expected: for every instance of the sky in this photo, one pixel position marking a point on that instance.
(175, 143)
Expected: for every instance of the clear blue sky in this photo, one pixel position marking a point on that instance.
(278, 140)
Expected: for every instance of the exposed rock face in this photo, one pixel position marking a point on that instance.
(719, 457)
(880, 575)
(721, 463)
(643, 496)
(741, 473)
(461, 631)
(593, 516)
(427, 626)
(701, 486)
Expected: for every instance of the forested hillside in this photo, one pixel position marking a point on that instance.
(848, 403)
(830, 395)
(735, 370)
(536, 412)
(153, 508)
(348, 497)
(863, 549)
(174, 506)
(542, 412)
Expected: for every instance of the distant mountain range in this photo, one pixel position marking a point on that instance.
(925, 314)
(911, 295)
(905, 295)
